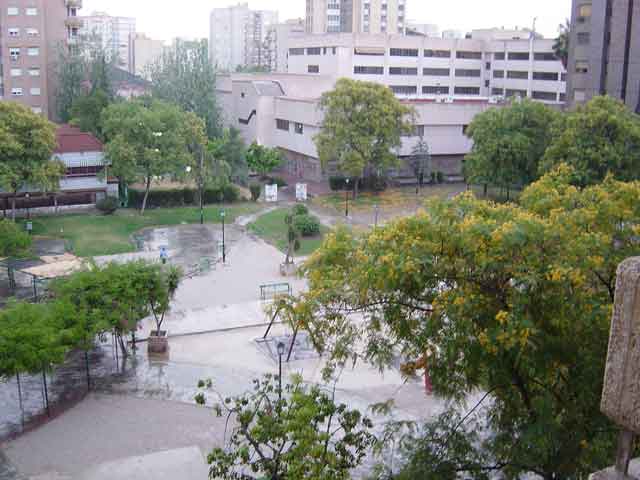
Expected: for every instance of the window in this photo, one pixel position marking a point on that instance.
(582, 66)
(16, 91)
(466, 72)
(366, 70)
(545, 56)
(403, 71)
(34, 71)
(36, 110)
(372, 51)
(313, 69)
(334, 50)
(416, 131)
(313, 51)
(519, 75)
(16, 72)
(518, 56)
(435, 90)
(436, 72)
(84, 171)
(403, 52)
(579, 95)
(282, 124)
(464, 129)
(35, 91)
(516, 93)
(498, 74)
(584, 38)
(584, 13)
(469, 55)
(497, 91)
(466, 90)
(548, 96)
(553, 76)
(14, 53)
(296, 51)
(298, 128)
(498, 56)
(12, 11)
(33, 51)
(404, 89)
(487, 66)
(14, 32)
(563, 97)
(437, 53)
(31, 11)
(486, 83)
(563, 77)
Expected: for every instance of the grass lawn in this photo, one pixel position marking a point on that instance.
(92, 234)
(272, 229)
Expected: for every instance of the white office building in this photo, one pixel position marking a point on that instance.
(114, 34)
(277, 44)
(355, 16)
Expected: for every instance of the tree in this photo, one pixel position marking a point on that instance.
(598, 138)
(298, 433)
(263, 160)
(362, 124)
(185, 76)
(27, 141)
(86, 112)
(511, 300)
(293, 238)
(421, 161)
(509, 143)
(561, 45)
(14, 242)
(150, 139)
(162, 287)
(234, 153)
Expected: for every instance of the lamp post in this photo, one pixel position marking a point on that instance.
(376, 209)
(346, 199)
(188, 170)
(280, 353)
(28, 196)
(224, 256)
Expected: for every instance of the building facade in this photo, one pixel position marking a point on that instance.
(355, 16)
(237, 36)
(144, 52)
(604, 55)
(416, 67)
(277, 44)
(31, 32)
(114, 34)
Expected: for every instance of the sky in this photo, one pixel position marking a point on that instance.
(164, 19)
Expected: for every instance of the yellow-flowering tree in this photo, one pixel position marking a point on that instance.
(512, 300)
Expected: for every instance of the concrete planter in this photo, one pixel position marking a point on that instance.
(158, 342)
(288, 269)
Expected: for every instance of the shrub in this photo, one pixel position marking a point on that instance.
(439, 176)
(433, 177)
(373, 183)
(107, 205)
(300, 209)
(256, 190)
(307, 225)
(281, 182)
(183, 196)
(336, 183)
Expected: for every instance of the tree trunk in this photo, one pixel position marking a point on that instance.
(55, 203)
(13, 207)
(125, 353)
(355, 188)
(146, 195)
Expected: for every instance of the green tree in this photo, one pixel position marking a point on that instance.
(561, 45)
(598, 138)
(363, 123)
(14, 242)
(298, 433)
(27, 141)
(293, 238)
(185, 76)
(234, 153)
(511, 300)
(150, 139)
(86, 112)
(263, 160)
(421, 161)
(509, 143)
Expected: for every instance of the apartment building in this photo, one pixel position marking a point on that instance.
(489, 64)
(355, 16)
(114, 34)
(144, 52)
(237, 36)
(31, 32)
(277, 42)
(604, 56)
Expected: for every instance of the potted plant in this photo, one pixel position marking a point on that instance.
(293, 245)
(161, 293)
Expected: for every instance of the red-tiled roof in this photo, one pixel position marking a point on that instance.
(73, 140)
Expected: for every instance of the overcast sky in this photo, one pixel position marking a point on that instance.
(164, 20)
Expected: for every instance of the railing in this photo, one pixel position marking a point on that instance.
(273, 290)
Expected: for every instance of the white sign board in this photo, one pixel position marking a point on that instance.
(301, 192)
(271, 193)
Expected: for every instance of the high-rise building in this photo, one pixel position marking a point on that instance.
(356, 16)
(31, 32)
(237, 36)
(277, 44)
(604, 54)
(114, 34)
(144, 52)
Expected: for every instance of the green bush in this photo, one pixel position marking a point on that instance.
(256, 191)
(307, 225)
(281, 182)
(183, 196)
(300, 209)
(433, 177)
(373, 183)
(336, 183)
(439, 176)
(107, 205)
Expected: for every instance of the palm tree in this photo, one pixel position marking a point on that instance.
(561, 46)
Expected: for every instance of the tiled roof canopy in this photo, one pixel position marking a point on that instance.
(72, 140)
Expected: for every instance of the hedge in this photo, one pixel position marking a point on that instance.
(371, 183)
(182, 196)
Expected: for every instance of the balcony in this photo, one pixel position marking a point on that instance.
(73, 22)
(74, 3)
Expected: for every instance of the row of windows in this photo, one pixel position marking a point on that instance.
(285, 126)
(30, 11)
(538, 95)
(14, 32)
(412, 90)
(313, 51)
(538, 56)
(14, 53)
(19, 91)
(18, 72)
(459, 72)
(523, 75)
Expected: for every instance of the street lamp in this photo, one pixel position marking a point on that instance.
(224, 256)
(28, 196)
(376, 209)
(280, 354)
(346, 199)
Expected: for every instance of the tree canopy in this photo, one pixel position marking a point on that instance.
(509, 143)
(263, 160)
(362, 125)
(512, 300)
(14, 241)
(598, 138)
